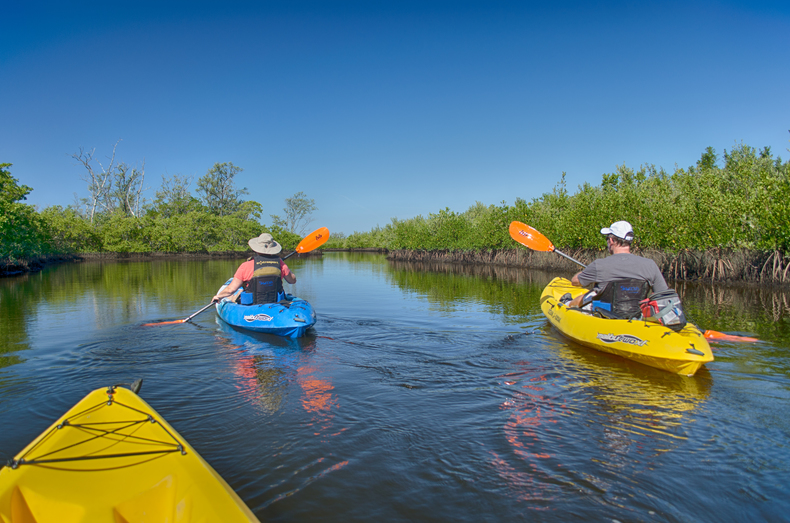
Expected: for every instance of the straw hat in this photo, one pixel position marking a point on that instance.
(265, 244)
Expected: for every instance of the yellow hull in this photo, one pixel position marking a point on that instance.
(681, 352)
(113, 458)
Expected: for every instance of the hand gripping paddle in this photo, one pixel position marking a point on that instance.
(310, 242)
(533, 239)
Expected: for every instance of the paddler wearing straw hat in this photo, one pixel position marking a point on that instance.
(262, 275)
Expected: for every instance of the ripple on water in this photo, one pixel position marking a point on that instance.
(443, 397)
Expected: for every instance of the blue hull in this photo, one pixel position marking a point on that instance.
(289, 320)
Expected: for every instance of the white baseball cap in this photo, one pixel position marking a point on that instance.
(621, 229)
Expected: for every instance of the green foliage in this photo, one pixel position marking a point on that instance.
(21, 234)
(191, 232)
(119, 233)
(287, 239)
(336, 241)
(174, 198)
(175, 222)
(479, 227)
(10, 190)
(195, 230)
(218, 190)
(376, 238)
(297, 211)
(69, 232)
(743, 204)
(738, 200)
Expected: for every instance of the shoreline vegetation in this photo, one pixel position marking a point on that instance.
(753, 267)
(745, 266)
(724, 219)
(37, 264)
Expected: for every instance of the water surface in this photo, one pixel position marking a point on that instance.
(425, 393)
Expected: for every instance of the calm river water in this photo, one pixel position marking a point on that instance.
(423, 394)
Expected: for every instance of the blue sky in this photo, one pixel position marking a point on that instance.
(381, 109)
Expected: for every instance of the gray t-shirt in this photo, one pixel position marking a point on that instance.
(623, 266)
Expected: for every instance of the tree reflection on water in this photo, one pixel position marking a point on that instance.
(266, 366)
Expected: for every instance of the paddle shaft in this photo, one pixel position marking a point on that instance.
(571, 259)
(533, 239)
(198, 312)
(309, 243)
(709, 334)
(212, 303)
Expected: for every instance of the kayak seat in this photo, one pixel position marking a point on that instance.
(619, 299)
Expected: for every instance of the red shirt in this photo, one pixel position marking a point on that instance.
(245, 270)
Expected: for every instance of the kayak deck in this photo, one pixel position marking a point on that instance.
(289, 318)
(652, 344)
(113, 458)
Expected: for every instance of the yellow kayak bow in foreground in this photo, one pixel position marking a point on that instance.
(113, 458)
(650, 343)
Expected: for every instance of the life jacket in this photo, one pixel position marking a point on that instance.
(266, 285)
(620, 299)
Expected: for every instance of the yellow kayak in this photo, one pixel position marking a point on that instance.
(113, 458)
(650, 343)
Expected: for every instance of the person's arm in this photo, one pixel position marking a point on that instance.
(578, 300)
(287, 274)
(659, 284)
(588, 274)
(232, 287)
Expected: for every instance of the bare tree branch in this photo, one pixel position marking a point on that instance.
(113, 187)
(99, 180)
(298, 209)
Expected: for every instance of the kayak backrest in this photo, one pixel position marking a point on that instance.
(620, 298)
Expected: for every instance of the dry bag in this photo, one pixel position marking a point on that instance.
(665, 308)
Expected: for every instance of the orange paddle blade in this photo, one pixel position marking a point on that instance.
(720, 336)
(313, 240)
(179, 321)
(529, 237)
(163, 323)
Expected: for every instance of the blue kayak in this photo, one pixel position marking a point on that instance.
(289, 317)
